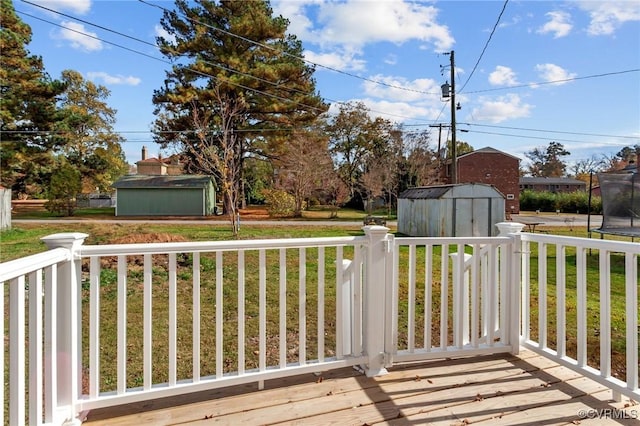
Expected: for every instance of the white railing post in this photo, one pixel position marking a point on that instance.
(346, 306)
(513, 287)
(461, 281)
(69, 332)
(374, 290)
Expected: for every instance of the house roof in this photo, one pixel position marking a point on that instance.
(163, 181)
(488, 150)
(550, 181)
(152, 161)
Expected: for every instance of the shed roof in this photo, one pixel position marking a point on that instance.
(163, 181)
(425, 192)
(461, 190)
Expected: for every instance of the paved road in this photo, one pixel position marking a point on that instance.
(542, 219)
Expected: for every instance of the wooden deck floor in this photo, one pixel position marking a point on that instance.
(490, 390)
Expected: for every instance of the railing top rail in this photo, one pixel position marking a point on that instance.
(610, 245)
(451, 240)
(25, 265)
(204, 246)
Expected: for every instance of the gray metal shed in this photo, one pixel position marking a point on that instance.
(182, 195)
(462, 210)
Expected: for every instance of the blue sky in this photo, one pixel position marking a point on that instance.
(565, 71)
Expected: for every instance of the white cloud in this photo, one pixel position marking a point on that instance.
(76, 6)
(514, 21)
(343, 61)
(393, 88)
(391, 59)
(79, 37)
(113, 79)
(552, 72)
(607, 17)
(393, 111)
(161, 32)
(559, 24)
(503, 76)
(500, 109)
(395, 22)
(356, 23)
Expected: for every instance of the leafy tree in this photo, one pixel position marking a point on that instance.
(236, 52)
(372, 182)
(86, 132)
(622, 158)
(422, 164)
(258, 176)
(302, 167)
(547, 162)
(462, 148)
(383, 169)
(335, 192)
(216, 154)
(629, 153)
(66, 183)
(27, 109)
(354, 137)
(583, 169)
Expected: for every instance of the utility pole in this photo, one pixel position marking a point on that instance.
(450, 92)
(454, 162)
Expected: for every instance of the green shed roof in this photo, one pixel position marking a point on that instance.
(164, 181)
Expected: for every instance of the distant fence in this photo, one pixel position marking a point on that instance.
(95, 200)
(5, 208)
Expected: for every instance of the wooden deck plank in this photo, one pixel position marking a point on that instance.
(496, 389)
(320, 398)
(333, 383)
(445, 402)
(375, 402)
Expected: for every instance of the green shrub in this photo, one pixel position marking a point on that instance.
(279, 203)
(566, 202)
(65, 184)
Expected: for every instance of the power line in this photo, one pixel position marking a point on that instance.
(504, 6)
(564, 80)
(170, 63)
(231, 70)
(552, 131)
(381, 83)
(542, 138)
(223, 67)
(286, 53)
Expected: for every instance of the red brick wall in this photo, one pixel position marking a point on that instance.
(493, 168)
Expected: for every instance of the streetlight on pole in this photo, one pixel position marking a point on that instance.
(450, 92)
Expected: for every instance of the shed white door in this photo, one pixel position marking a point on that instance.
(472, 217)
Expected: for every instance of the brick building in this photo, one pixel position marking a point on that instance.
(552, 184)
(158, 166)
(492, 167)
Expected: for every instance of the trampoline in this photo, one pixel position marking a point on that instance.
(620, 192)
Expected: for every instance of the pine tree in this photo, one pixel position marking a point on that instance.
(27, 108)
(238, 53)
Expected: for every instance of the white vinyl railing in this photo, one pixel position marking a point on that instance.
(567, 287)
(448, 312)
(97, 326)
(33, 330)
